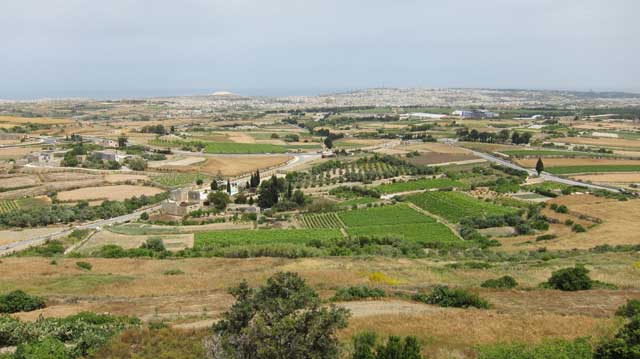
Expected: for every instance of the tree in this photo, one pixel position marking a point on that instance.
(539, 166)
(571, 279)
(269, 192)
(122, 141)
(284, 310)
(214, 185)
(228, 186)
(137, 164)
(219, 200)
(144, 216)
(625, 345)
(199, 181)
(328, 142)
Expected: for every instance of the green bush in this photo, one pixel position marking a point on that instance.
(551, 349)
(355, 293)
(625, 345)
(577, 227)
(49, 348)
(630, 309)
(502, 282)
(444, 296)
(546, 237)
(19, 301)
(570, 279)
(84, 265)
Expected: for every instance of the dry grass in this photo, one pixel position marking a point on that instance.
(610, 178)
(10, 236)
(39, 120)
(436, 147)
(558, 162)
(607, 142)
(113, 193)
(173, 242)
(236, 165)
(119, 178)
(16, 152)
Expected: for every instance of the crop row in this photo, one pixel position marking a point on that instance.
(420, 184)
(322, 220)
(454, 206)
(8, 206)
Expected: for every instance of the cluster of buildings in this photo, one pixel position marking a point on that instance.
(183, 201)
(474, 114)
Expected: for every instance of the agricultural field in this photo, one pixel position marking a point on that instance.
(554, 153)
(563, 170)
(421, 184)
(222, 147)
(322, 220)
(454, 206)
(179, 179)
(221, 239)
(380, 216)
(8, 206)
(112, 193)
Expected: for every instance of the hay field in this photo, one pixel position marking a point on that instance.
(236, 165)
(119, 178)
(10, 236)
(610, 178)
(606, 142)
(621, 225)
(561, 162)
(436, 147)
(113, 193)
(17, 152)
(14, 120)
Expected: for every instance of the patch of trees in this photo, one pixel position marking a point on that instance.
(19, 301)
(501, 136)
(82, 211)
(279, 191)
(157, 129)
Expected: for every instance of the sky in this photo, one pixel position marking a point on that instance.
(137, 48)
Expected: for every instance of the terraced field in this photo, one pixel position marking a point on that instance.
(321, 220)
(421, 184)
(223, 147)
(179, 179)
(554, 153)
(454, 206)
(382, 216)
(8, 206)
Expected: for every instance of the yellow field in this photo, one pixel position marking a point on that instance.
(609, 142)
(557, 162)
(113, 193)
(173, 242)
(39, 120)
(610, 177)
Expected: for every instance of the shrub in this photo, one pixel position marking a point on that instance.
(550, 349)
(570, 279)
(19, 301)
(155, 244)
(49, 348)
(630, 309)
(502, 282)
(578, 228)
(625, 345)
(355, 293)
(84, 265)
(395, 347)
(444, 296)
(568, 222)
(546, 237)
(562, 209)
(173, 272)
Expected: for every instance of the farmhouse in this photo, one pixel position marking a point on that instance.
(44, 158)
(181, 202)
(111, 155)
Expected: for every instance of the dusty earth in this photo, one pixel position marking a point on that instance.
(114, 193)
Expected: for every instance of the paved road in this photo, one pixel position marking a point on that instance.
(546, 175)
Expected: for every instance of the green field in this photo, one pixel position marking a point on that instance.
(221, 239)
(179, 179)
(454, 206)
(321, 220)
(381, 216)
(554, 153)
(561, 170)
(420, 184)
(222, 147)
(399, 221)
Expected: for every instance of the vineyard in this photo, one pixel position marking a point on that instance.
(321, 220)
(454, 206)
(8, 206)
(220, 147)
(421, 184)
(560, 170)
(381, 216)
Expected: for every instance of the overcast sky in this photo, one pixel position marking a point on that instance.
(88, 48)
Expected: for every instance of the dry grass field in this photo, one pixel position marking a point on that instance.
(113, 193)
(236, 165)
(610, 178)
(558, 162)
(14, 120)
(606, 142)
(10, 236)
(119, 178)
(17, 152)
(436, 147)
(173, 242)
(197, 297)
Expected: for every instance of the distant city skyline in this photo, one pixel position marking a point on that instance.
(78, 48)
